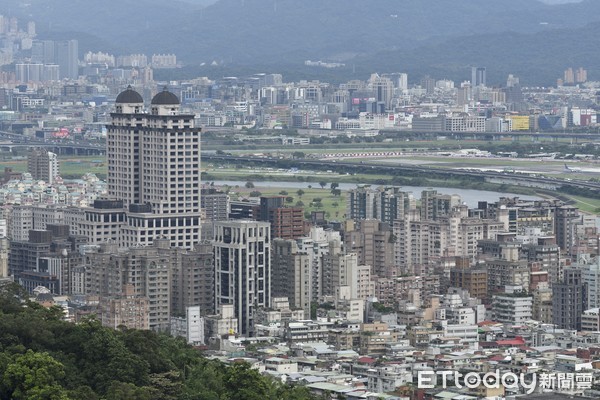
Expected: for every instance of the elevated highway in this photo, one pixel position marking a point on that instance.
(10, 140)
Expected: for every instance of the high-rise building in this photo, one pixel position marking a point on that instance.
(478, 76)
(343, 277)
(148, 269)
(372, 241)
(428, 84)
(43, 165)
(154, 167)
(42, 51)
(67, 58)
(580, 75)
(399, 79)
(590, 275)
(565, 220)
(385, 204)
(464, 94)
(547, 254)
(292, 274)
(46, 259)
(193, 281)
(242, 254)
(569, 300)
(472, 279)
(318, 243)
(29, 72)
(383, 89)
(569, 76)
(435, 205)
(215, 206)
(286, 222)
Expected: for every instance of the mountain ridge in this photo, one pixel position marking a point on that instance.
(288, 32)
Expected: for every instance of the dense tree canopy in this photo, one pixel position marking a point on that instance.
(43, 357)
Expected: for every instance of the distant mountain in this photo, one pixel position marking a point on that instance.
(538, 59)
(243, 31)
(287, 32)
(129, 25)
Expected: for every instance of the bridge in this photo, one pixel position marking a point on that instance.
(17, 141)
(493, 136)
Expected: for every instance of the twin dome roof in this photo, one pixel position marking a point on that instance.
(130, 96)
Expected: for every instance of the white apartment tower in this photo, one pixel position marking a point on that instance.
(243, 268)
(154, 167)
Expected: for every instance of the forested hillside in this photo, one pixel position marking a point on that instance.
(43, 357)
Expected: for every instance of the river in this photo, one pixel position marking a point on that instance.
(468, 196)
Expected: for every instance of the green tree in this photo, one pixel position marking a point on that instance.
(313, 310)
(283, 193)
(300, 192)
(128, 391)
(249, 185)
(105, 359)
(34, 376)
(245, 383)
(44, 357)
(322, 184)
(336, 192)
(83, 393)
(12, 295)
(205, 381)
(255, 193)
(334, 185)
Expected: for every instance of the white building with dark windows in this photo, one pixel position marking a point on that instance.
(154, 167)
(242, 252)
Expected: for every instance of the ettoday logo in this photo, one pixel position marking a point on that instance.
(473, 380)
(494, 380)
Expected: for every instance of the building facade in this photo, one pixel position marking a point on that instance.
(43, 165)
(242, 253)
(154, 167)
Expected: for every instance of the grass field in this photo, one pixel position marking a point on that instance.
(334, 206)
(585, 204)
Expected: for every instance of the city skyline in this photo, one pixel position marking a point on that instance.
(303, 200)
